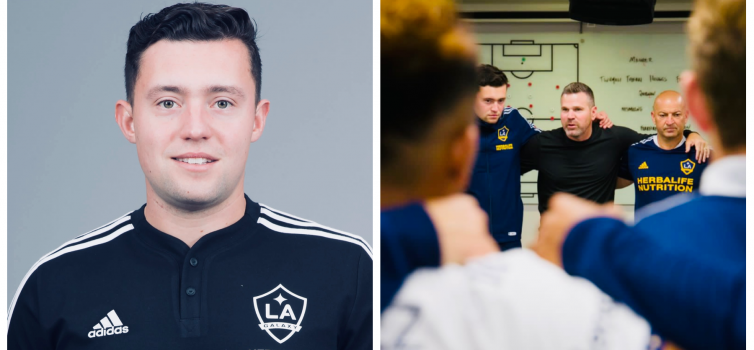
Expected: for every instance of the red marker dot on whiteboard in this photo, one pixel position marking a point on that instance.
(552, 118)
(508, 85)
(531, 106)
(529, 84)
(557, 86)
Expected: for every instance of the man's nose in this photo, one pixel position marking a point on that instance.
(196, 123)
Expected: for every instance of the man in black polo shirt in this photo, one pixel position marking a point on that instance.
(580, 158)
(200, 265)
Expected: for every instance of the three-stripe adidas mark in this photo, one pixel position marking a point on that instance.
(108, 325)
(643, 166)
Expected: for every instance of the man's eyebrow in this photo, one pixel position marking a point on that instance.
(227, 89)
(164, 88)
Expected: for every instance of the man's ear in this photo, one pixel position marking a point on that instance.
(594, 112)
(260, 118)
(124, 118)
(696, 101)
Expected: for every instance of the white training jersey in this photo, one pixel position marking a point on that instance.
(510, 300)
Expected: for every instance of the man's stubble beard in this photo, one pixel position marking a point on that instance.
(575, 134)
(186, 200)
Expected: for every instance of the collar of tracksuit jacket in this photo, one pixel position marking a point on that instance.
(192, 262)
(210, 244)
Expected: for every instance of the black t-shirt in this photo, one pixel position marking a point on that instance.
(587, 169)
(268, 281)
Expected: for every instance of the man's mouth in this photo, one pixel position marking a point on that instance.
(195, 160)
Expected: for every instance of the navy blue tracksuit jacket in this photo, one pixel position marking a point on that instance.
(682, 265)
(496, 182)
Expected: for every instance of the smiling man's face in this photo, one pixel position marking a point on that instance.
(193, 119)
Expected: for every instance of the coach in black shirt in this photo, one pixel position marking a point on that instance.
(200, 265)
(581, 158)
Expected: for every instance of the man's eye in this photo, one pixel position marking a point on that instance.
(167, 104)
(223, 104)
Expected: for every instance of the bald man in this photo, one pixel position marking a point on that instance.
(659, 165)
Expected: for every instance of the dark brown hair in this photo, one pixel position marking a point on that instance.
(489, 75)
(195, 21)
(575, 88)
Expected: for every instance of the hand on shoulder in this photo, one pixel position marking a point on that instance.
(461, 227)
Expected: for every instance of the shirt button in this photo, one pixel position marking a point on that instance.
(193, 262)
(190, 291)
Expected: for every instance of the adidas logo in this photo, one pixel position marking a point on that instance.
(108, 325)
(643, 166)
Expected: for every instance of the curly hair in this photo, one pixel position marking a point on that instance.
(428, 64)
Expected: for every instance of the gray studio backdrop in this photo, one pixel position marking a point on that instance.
(71, 170)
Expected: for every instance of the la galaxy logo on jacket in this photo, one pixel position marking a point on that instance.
(502, 133)
(687, 166)
(283, 312)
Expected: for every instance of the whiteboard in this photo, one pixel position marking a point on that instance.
(625, 70)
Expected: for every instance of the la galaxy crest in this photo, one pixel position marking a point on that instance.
(687, 166)
(502, 133)
(280, 313)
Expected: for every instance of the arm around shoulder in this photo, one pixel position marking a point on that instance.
(686, 298)
(530, 153)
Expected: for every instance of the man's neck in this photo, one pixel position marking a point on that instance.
(190, 226)
(668, 143)
(394, 197)
(720, 153)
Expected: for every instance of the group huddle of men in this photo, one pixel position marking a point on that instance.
(674, 281)
(584, 157)
(579, 158)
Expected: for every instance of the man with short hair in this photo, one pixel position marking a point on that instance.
(580, 158)
(658, 164)
(200, 265)
(683, 265)
(496, 181)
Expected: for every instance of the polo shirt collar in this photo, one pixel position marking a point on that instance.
(725, 177)
(654, 138)
(212, 241)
